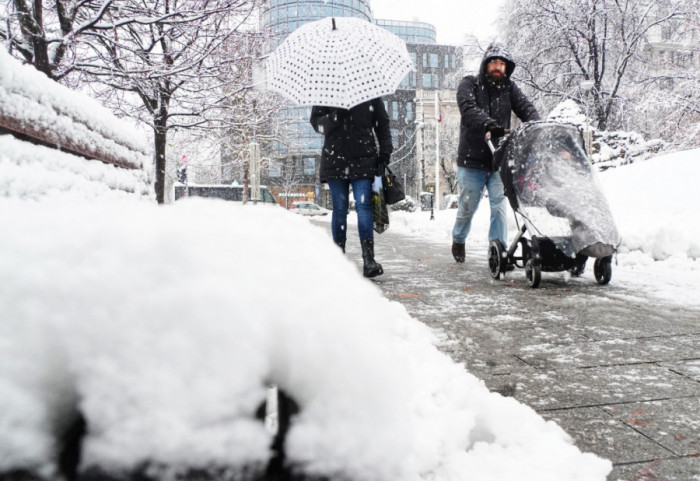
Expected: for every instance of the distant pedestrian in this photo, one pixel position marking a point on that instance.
(485, 104)
(350, 157)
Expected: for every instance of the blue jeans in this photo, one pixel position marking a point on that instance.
(340, 193)
(472, 182)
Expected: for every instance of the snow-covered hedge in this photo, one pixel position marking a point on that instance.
(34, 172)
(36, 107)
(162, 326)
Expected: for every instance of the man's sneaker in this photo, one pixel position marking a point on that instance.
(458, 252)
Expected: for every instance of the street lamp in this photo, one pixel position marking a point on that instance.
(432, 202)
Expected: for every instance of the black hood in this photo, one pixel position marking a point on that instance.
(496, 50)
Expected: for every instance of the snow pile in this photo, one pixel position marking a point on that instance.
(570, 112)
(41, 107)
(656, 205)
(163, 325)
(610, 148)
(34, 172)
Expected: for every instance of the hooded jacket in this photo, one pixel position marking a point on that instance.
(483, 102)
(349, 147)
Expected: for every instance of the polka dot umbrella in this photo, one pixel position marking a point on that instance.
(338, 62)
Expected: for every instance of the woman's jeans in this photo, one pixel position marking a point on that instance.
(472, 182)
(340, 192)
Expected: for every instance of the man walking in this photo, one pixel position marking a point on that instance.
(485, 104)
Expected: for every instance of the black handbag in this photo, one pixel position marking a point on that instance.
(393, 190)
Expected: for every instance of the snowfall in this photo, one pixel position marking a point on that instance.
(165, 325)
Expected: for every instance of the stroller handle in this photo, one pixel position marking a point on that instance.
(490, 143)
(491, 147)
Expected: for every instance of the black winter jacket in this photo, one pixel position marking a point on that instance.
(350, 148)
(482, 102)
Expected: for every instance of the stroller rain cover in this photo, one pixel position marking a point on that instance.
(544, 165)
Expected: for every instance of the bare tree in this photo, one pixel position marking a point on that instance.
(669, 94)
(449, 142)
(164, 62)
(562, 43)
(45, 33)
(288, 181)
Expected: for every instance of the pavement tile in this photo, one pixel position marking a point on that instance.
(595, 431)
(605, 353)
(686, 368)
(673, 423)
(620, 323)
(691, 340)
(677, 469)
(569, 388)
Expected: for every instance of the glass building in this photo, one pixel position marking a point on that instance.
(437, 68)
(282, 17)
(410, 32)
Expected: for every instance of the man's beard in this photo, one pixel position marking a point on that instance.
(496, 80)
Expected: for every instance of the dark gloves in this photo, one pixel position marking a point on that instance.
(495, 129)
(383, 163)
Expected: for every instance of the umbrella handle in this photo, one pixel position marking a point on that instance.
(333, 20)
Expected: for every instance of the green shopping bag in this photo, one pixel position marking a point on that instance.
(380, 212)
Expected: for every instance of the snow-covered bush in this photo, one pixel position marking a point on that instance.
(407, 205)
(609, 148)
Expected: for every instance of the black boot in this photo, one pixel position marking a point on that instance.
(341, 245)
(371, 268)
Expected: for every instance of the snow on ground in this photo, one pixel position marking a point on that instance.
(163, 324)
(656, 206)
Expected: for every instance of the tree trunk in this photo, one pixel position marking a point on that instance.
(160, 139)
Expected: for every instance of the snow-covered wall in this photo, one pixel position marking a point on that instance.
(35, 106)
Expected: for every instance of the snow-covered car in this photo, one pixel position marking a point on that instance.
(309, 208)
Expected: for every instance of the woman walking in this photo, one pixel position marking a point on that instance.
(350, 156)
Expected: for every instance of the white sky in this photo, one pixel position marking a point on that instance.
(452, 18)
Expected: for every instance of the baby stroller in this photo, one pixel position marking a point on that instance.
(549, 183)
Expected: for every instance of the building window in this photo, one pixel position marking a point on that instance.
(431, 81)
(394, 110)
(433, 60)
(309, 165)
(410, 111)
(274, 169)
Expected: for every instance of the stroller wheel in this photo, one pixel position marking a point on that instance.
(533, 272)
(497, 258)
(602, 270)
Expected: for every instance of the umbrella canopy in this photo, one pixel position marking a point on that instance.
(338, 62)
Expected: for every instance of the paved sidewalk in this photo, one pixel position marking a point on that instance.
(618, 371)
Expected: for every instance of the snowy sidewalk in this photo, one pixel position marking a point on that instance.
(618, 370)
